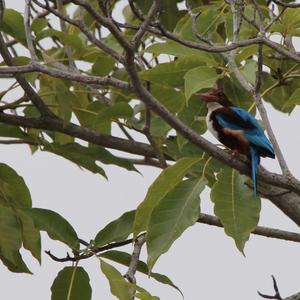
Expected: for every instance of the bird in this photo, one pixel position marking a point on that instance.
(237, 129)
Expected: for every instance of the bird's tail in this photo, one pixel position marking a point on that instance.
(255, 160)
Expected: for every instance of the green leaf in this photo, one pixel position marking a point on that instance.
(207, 21)
(163, 184)
(172, 99)
(199, 78)
(99, 117)
(18, 267)
(249, 71)
(294, 99)
(68, 39)
(119, 287)
(178, 210)
(290, 21)
(13, 24)
(56, 93)
(71, 283)
(125, 259)
(278, 95)
(39, 24)
(30, 235)
(143, 294)
(159, 127)
(80, 155)
(235, 206)
(88, 156)
(171, 73)
(245, 52)
(191, 115)
(237, 94)
(10, 235)
(11, 131)
(103, 65)
(169, 12)
(55, 225)
(13, 190)
(117, 230)
(178, 50)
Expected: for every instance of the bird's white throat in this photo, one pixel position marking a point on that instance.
(212, 106)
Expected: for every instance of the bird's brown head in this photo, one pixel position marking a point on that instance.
(215, 95)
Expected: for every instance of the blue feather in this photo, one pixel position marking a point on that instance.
(252, 130)
(255, 160)
(259, 143)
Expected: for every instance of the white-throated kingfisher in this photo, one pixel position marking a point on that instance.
(237, 129)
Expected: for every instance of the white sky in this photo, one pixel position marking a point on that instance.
(204, 262)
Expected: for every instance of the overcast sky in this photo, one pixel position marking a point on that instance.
(204, 262)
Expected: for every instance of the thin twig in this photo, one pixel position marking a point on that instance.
(91, 251)
(18, 141)
(29, 39)
(154, 9)
(276, 295)
(68, 49)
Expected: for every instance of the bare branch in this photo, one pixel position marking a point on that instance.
(136, 40)
(293, 297)
(91, 251)
(106, 22)
(28, 31)
(63, 27)
(259, 230)
(259, 69)
(276, 295)
(274, 19)
(81, 133)
(36, 67)
(16, 142)
(130, 275)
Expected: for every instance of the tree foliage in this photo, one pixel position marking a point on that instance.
(138, 69)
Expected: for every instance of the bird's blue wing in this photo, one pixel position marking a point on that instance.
(238, 119)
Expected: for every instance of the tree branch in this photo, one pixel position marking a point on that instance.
(58, 73)
(276, 295)
(106, 22)
(259, 230)
(81, 133)
(136, 40)
(32, 95)
(28, 31)
(130, 275)
(91, 251)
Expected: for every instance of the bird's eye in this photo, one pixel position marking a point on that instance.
(220, 94)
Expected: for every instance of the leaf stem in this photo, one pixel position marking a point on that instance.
(72, 281)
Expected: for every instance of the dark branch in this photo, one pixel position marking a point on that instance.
(259, 230)
(276, 295)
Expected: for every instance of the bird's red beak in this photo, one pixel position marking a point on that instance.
(208, 96)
